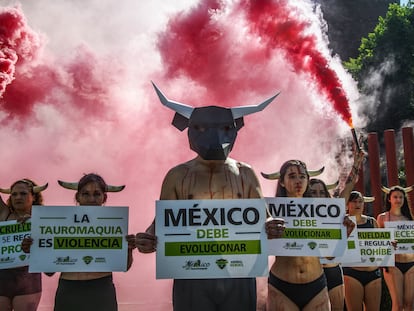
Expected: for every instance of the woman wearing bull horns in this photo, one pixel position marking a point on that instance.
(85, 291)
(399, 279)
(19, 289)
(296, 283)
(333, 271)
(362, 284)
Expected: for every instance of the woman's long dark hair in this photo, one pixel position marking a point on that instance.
(37, 197)
(281, 190)
(405, 209)
(92, 177)
(315, 181)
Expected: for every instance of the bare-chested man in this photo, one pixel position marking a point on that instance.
(211, 175)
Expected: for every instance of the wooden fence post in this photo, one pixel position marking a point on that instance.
(374, 168)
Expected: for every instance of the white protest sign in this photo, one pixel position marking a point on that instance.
(375, 248)
(11, 236)
(352, 252)
(79, 238)
(211, 239)
(314, 227)
(403, 234)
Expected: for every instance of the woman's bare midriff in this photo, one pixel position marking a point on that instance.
(83, 276)
(297, 270)
(404, 258)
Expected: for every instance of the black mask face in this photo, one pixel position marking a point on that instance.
(212, 132)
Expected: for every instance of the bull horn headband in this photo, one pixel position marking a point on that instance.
(276, 175)
(332, 186)
(368, 199)
(36, 189)
(74, 186)
(406, 189)
(186, 110)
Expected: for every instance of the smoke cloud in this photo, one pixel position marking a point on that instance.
(76, 97)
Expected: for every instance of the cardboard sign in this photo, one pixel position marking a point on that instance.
(375, 248)
(352, 252)
(79, 238)
(12, 234)
(403, 234)
(314, 227)
(211, 239)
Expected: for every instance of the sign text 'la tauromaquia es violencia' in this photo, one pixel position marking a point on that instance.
(79, 238)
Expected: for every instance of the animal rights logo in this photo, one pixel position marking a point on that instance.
(221, 263)
(312, 245)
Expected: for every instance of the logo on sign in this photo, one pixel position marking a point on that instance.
(196, 265)
(323, 245)
(293, 245)
(236, 263)
(100, 259)
(65, 260)
(221, 263)
(6, 260)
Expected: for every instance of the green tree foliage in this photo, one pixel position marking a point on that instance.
(384, 69)
(350, 20)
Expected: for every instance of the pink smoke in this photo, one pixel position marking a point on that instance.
(18, 43)
(90, 107)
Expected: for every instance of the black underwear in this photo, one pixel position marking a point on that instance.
(333, 276)
(363, 277)
(84, 295)
(19, 281)
(300, 294)
(404, 266)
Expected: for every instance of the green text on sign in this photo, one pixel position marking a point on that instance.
(212, 248)
(87, 243)
(323, 234)
(15, 228)
(405, 241)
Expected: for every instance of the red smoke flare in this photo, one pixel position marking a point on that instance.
(273, 21)
(191, 47)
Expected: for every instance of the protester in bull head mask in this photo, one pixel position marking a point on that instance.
(19, 289)
(212, 174)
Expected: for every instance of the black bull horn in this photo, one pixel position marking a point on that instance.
(74, 186)
(183, 111)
